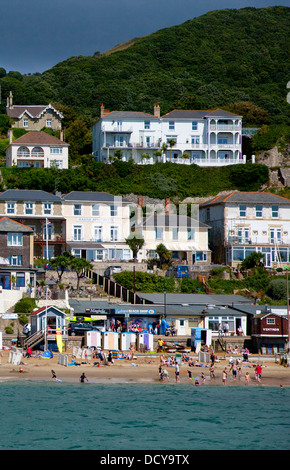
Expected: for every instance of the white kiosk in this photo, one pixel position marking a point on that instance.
(126, 339)
(146, 339)
(110, 340)
(94, 338)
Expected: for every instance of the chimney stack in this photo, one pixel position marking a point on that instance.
(61, 135)
(156, 110)
(10, 136)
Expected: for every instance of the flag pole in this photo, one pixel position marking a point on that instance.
(45, 331)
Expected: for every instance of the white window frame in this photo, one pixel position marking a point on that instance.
(96, 210)
(114, 232)
(77, 209)
(47, 208)
(113, 210)
(14, 239)
(98, 233)
(10, 208)
(25, 122)
(77, 233)
(29, 208)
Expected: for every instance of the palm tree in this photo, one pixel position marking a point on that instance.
(171, 143)
(164, 149)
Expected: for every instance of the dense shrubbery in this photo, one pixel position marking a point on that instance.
(267, 287)
(159, 180)
(25, 305)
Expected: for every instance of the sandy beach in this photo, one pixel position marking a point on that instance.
(143, 369)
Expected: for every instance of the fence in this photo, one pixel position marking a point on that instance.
(114, 289)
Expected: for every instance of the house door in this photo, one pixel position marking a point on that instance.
(181, 327)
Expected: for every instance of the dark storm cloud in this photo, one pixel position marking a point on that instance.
(36, 34)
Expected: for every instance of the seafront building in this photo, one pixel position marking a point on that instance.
(246, 222)
(205, 138)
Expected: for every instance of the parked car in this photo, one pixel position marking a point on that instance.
(27, 329)
(79, 329)
(180, 270)
(112, 270)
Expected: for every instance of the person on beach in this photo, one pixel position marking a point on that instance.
(165, 375)
(247, 378)
(53, 375)
(212, 373)
(224, 376)
(258, 372)
(189, 374)
(234, 370)
(83, 378)
(177, 372)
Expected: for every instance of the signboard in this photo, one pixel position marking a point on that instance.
(137, 311)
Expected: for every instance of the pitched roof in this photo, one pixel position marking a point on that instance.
(28, 195)
(34, 111)
(8, 225)
(91, 196)
(115, 115)
(199, 114)
(38, 138)
(247, 198)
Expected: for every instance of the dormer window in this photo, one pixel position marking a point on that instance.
(25, 122)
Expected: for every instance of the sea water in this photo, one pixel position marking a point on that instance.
(75, 416)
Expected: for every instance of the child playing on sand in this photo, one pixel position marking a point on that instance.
(247, 378)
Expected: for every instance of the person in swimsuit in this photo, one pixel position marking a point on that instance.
(83, 377)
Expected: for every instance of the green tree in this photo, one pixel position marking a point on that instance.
(165, 256)
(254, 260)
(80, 266)
(135, 244)
(60, 264)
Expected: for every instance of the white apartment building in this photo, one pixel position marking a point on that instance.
(243, 222)
(97, 225)
(37, 149)
(185, 237)
(205, 138)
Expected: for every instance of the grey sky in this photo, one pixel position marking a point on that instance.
(37, 34)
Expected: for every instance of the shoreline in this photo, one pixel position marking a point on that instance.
(142, 370)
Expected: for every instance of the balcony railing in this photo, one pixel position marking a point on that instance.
(39, 237)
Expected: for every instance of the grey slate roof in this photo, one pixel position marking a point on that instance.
(33, 110)
(8, 225)
(197, 299)
(90, 196)
(28, 195)
(247, 198)
(199, 114)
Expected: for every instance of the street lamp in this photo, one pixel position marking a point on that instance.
(287, 268)
(165, 304)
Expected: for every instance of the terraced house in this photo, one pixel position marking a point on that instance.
(205, 138)
(243, 222)
(40, 211)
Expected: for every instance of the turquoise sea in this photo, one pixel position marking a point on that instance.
(69, 416)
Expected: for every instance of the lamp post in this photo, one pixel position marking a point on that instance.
(287, 268)
(165, 313)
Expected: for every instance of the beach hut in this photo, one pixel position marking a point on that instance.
(94, 338)
(110, 340)
(146, 339)
(126, 339)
